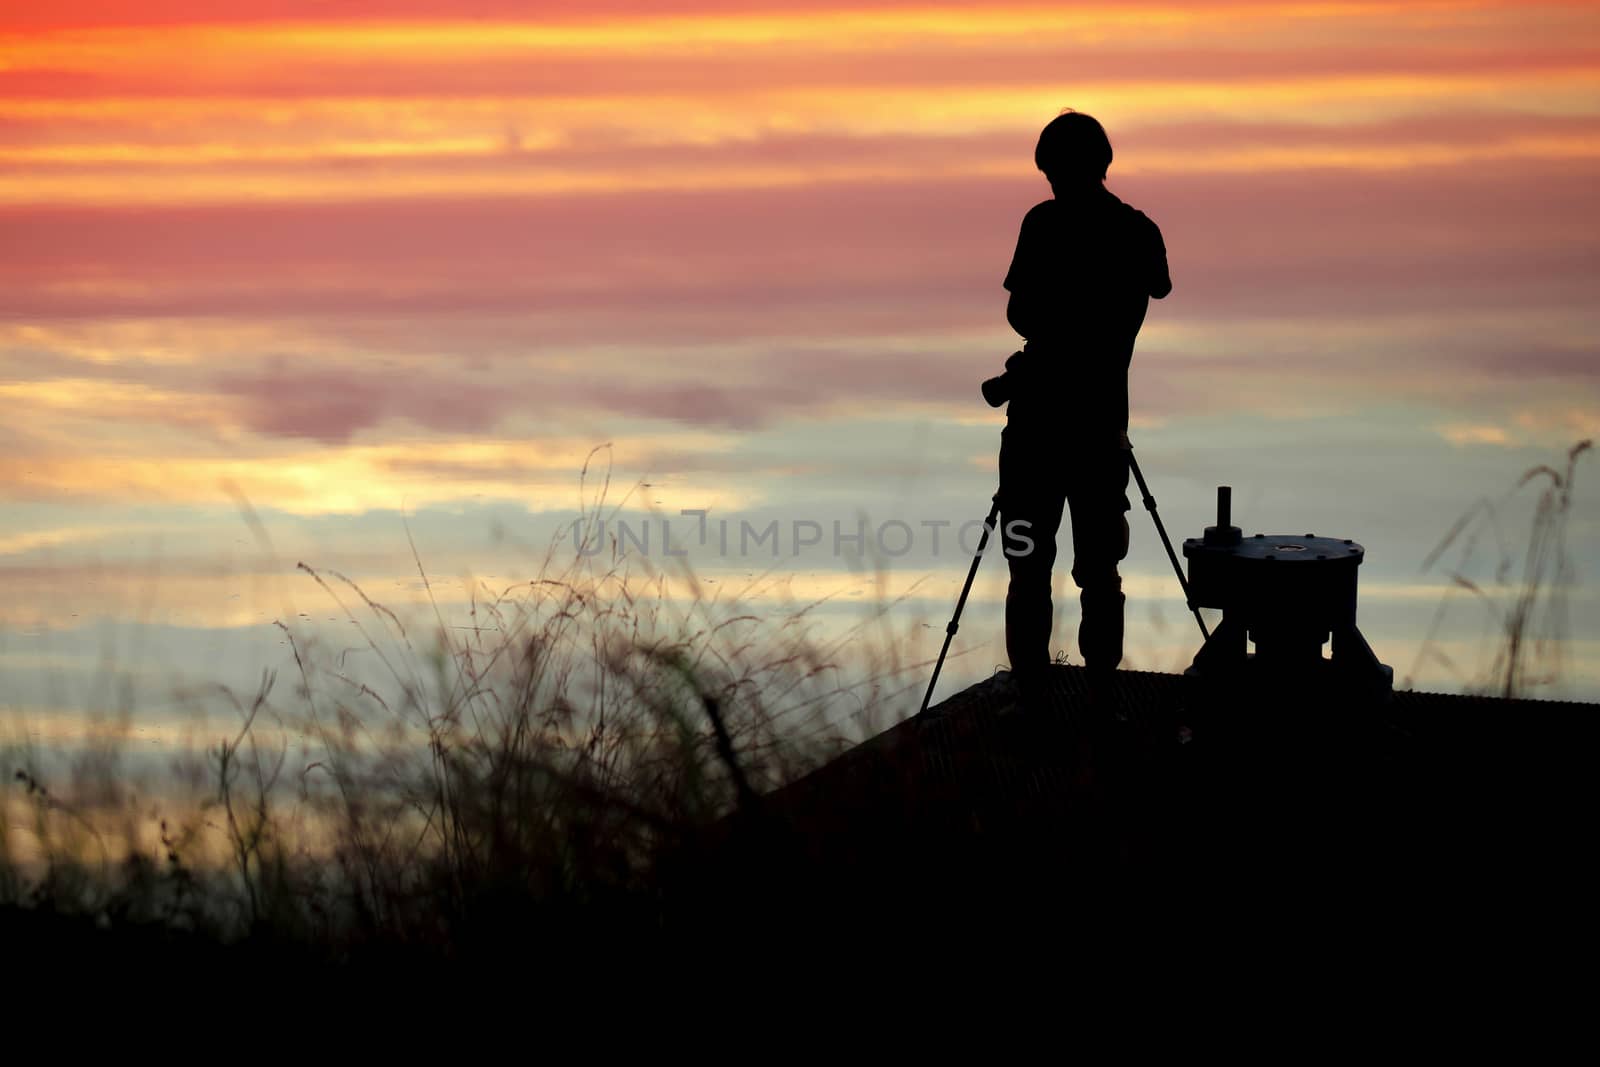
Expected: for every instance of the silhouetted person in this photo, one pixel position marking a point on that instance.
(1085, 267)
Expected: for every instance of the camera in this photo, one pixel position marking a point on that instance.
(998, 390)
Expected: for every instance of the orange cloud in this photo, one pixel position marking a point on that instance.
(414, 106)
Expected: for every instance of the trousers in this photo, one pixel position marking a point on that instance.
(1043, 475)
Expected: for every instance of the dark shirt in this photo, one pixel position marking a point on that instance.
(1081, 280)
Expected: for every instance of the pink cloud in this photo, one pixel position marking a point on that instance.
(821, 261)
(331, 405)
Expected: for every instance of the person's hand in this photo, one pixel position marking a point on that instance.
(1123, 442)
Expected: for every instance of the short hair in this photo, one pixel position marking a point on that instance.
(1073, 145)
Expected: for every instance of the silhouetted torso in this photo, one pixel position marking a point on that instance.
(1084, 270)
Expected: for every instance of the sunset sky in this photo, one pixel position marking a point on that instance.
(339, 262)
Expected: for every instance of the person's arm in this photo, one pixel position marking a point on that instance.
(1023, 315)
(1022, 310)
(1159, 275)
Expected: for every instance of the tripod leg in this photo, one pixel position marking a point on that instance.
(1150, 506)
(955, 620)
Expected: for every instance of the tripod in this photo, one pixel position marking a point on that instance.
(983, 542)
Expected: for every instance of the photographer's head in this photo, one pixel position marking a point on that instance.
(1074, 151)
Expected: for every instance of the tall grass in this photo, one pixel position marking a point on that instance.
(581, 735)
(1523, 594)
